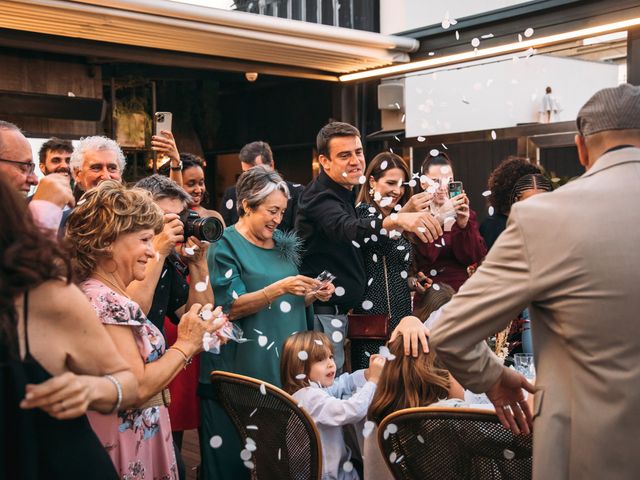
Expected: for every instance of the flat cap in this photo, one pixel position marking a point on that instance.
(615, 108)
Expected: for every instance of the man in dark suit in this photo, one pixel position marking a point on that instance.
(252, 154)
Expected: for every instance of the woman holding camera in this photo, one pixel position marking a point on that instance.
(111, 232)
(446, 260)
(254, 273)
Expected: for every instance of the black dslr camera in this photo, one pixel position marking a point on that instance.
(207, 229)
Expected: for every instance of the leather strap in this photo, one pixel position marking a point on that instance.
(386, 283)
(160, 399)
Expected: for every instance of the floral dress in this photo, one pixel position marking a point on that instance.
(138, 441)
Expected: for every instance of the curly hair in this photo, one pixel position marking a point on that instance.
(102, 215)
(255, 185)
(28, 258)
(504, 177)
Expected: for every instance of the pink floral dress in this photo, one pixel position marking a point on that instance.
(138, 441)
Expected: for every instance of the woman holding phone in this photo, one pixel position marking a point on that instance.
(446, 260)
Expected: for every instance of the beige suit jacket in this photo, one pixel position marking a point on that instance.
(574, 256)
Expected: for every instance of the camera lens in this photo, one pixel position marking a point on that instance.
(208, 229)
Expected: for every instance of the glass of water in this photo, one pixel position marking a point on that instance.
(523, 363)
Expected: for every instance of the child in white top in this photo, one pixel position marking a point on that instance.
(308, 373)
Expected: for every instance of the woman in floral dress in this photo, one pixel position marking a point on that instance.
(110, 234)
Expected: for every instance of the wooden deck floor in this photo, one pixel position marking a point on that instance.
(191, 453)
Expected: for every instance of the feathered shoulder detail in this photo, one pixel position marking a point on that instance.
(289, 246)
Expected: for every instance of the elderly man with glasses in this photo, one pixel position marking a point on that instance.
(16, 165)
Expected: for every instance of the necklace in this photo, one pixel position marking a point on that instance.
(112, 285)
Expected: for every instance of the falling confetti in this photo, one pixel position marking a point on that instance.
(252, 427)
(339, 291)
(519, 38)
(319, 342)
(285, 306)
(263, 389)
(262, 340)
(528, 32)
(254, 412)
(374, 257)
(555, 179)
(404, 116)
(245, 455)
(344, 174)
(302, 355)
(457, 35)
(228, 273)
(202, 286)
(435, 286)
(433, 272)
(431, 54)
(362, 179)
(412, 183)
(420, 439)
(234, 294)
(335, 323)
(369, 282)
(486, 193)
(368, 428)
(355, 244)
(216, 441)
(337, 337)
(229, 204)
(383, 165)
(475, 42)
(487, 35)
(367, 305)
(421, 139)
(189, 251)
(493, 134)
(445, 169)
(491, 211)
(403, 274)
(301, 376)
(158, 259)
(206, 315)
(434, 152)
(393, 457)
(347, 466)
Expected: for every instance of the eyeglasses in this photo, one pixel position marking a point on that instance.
(26, 168)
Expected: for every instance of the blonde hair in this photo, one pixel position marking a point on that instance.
(102, 215)
(317, 347)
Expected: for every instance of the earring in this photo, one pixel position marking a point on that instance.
(372, 192)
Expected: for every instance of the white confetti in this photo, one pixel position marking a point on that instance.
(206, 315)
(420, 439)
(508, 454)
(252, 427)
(249, 465)
(189, 251)
(385, 202)
(262, 340)
(355, 244)
(486, 193)
(412, 184)
(254, 412)
(372, 210)
(401, 247)
(339, 291)
(493, 134)
(229, 204)
(263, 389)
(344, 174)
(435, 286)
(487, 35)
(528, 32)
(245, 455)
(392, 428)
(444, 169)
(393, 216)
(347, 466)
(216, 441)
(285, 306)
(301, 376)
(383, 165)
(369, 282)
(433, 272)
(337, 337)
(279, 454)
(202, 286)
(393, 457)
(336, 323)
(519, 38)
(374, 257)
(158, 259)
(457, 35)
(368, 428)
(302, 355)
(421, 139)
(475, 43)
(257, 331)
(434, 152)
(228, 273)
(270, 345)
(367, 305)
(445, 23)
(234, 294)
(80, 202)
(362, 179)
(491, 211)
(318, 342)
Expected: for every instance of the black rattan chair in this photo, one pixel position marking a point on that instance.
(287, 441)
(453, 444)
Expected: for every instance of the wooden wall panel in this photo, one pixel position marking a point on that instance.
(24, 71)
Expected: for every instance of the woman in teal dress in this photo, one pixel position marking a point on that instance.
(254, 273)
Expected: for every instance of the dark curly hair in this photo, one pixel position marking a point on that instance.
(504, 177)
(28, 258)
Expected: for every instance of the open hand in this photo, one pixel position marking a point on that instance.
(511, 407)
(414, 334)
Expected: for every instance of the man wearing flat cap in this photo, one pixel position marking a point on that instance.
(574, 256)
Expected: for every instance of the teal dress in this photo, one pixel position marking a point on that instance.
(238, 267)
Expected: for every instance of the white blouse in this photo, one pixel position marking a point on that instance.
(330, 409)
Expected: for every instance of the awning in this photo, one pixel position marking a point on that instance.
(176, 27)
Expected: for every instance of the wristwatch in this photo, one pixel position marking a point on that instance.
(177, 168)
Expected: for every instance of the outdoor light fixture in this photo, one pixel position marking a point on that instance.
(491, 51)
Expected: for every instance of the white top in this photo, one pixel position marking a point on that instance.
(331, 410)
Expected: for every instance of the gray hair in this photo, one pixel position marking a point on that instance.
(96, 142)
(7, 126)
(255, 185)
(163, 187)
